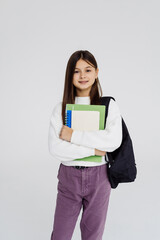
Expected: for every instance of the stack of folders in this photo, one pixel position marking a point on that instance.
(85, 118)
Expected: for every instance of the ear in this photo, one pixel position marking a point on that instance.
(97, 70)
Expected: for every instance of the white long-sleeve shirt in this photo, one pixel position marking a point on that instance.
(83, 143)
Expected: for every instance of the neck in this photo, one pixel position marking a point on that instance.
(81, 96)
(84, 93)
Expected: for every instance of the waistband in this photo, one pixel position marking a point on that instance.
(80, 167)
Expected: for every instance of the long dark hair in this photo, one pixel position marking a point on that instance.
(70, 90)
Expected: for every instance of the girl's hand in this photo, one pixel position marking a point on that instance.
(66, 133)
(99, 152)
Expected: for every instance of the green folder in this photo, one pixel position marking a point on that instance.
(83, 107)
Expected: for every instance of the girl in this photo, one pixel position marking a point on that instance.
(81, 183)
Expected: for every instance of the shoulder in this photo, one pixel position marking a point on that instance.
(113, 107)
(113, 111)
(57, 108)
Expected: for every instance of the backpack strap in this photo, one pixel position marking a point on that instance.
(105, 101)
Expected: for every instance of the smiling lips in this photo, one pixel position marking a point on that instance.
(83, 82)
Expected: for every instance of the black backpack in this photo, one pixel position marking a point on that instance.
(121, 166)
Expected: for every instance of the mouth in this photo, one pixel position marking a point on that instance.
(83, 82)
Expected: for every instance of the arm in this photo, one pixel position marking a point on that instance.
(108, 139)
(61, 149)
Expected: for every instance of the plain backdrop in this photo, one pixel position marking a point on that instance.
(37, 39)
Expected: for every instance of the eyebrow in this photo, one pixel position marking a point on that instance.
(85, 67)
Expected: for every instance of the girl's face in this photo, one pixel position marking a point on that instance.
(84, 77)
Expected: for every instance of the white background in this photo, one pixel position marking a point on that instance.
(37, 39)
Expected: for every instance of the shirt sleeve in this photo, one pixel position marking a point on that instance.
(108, 139)
(59, 148)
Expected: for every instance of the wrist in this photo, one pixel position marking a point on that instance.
(71, 134)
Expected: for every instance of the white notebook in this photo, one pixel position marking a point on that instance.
(85, 120)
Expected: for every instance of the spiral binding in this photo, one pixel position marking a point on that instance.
(68, 115)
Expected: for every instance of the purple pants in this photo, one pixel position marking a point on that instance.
(88, 187)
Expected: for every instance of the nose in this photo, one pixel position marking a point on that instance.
(83, 75)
